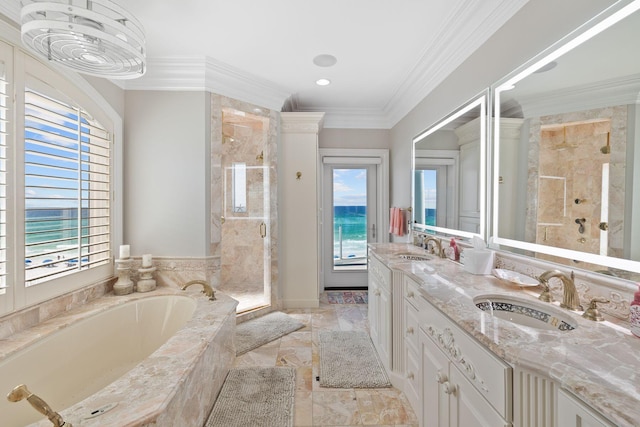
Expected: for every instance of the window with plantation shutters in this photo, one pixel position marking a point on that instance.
(67, 158)
(4, 124)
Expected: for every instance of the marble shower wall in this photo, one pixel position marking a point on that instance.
(565, 164)
(238, 245)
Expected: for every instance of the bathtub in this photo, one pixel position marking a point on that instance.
(126, 361)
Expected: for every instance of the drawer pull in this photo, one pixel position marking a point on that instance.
(448, 388)
(441, 378)
(410, 330)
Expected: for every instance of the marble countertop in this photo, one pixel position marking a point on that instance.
(598, 361)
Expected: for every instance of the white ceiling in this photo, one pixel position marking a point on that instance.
(390, 54)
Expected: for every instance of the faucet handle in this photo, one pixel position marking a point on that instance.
(545, 295)
(592, 312)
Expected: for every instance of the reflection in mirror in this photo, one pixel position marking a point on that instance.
(449, 173)
(567, 146)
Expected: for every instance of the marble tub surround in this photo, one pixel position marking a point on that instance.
(29, 317)
(597, 362)
(185, 372)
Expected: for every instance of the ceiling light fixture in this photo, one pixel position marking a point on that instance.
(323, 82)
(95, 37)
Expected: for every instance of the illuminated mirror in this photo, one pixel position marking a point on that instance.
(448, 194)
(566, 150)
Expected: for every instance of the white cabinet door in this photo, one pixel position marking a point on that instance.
(574, 413)
(384, 328)
(468, 407)
(435, 377)
(373, 310)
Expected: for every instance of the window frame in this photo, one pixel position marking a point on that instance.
(79, 92)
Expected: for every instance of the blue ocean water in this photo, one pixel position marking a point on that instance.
(430, 216)
(350, 227)
(48, 230)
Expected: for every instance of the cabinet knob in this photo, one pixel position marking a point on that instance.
(410, 330)
(410, 294)
(410, 375)
(441, 378)
(449, 388)
(376, 293)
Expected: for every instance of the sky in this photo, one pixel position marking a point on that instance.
(350, 187)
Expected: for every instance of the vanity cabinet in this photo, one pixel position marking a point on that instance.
(573, 413)
(380, 309)
(451, 380)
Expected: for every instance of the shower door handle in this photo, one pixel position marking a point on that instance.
(263, 230)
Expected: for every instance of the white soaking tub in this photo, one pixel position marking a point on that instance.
(118, 359)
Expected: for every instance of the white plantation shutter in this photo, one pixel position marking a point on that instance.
(67, 157)
(5, 66)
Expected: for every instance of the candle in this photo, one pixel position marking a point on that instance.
(146, 260)
(124, 251)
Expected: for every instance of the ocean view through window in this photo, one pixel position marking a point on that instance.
(349, 219)
(67, 189)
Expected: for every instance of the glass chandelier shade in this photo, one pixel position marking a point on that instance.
(95, 37)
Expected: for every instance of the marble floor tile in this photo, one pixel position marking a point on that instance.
(317, 406)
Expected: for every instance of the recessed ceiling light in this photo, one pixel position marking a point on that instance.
(323, 82)
(325, 60)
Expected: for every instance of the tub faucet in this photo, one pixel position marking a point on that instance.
(21, 392)
(206, 288)
(437, 244)
(571, 299)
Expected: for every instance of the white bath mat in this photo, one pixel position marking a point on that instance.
(256, 332)
(256, 397)
(348, 359)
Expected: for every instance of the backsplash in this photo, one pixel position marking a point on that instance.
(590, 285)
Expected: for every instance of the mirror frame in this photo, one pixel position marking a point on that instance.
(599, 23)
(481, 100)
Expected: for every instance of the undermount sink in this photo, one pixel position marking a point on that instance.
(413, 257)
(522, 311)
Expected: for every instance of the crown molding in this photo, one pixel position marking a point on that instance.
(608, 93)
(301, 122)
(457, 41)
(204, 73)
(11, 9)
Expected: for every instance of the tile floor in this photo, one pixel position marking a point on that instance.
(316, 406)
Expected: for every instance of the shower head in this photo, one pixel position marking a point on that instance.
(18, 393)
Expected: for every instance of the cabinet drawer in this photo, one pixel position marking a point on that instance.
(412, 327)
(413, 381)
(411, 291)
(487, 373)
(380, 272)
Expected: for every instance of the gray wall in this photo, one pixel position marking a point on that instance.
(167, 173)
(354, 138)
(538, 25)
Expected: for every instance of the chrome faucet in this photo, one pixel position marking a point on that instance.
(437, 245)
(206, 288)
(571, 299)
(21, 392)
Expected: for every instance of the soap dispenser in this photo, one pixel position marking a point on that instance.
(634, 314)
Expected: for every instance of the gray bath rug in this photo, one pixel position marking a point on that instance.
(256, 332)
(349, 360)
(256, 397)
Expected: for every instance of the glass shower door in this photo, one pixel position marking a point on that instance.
(245, 240)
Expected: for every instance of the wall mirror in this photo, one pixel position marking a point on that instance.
(566, 149)
(448, 185)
